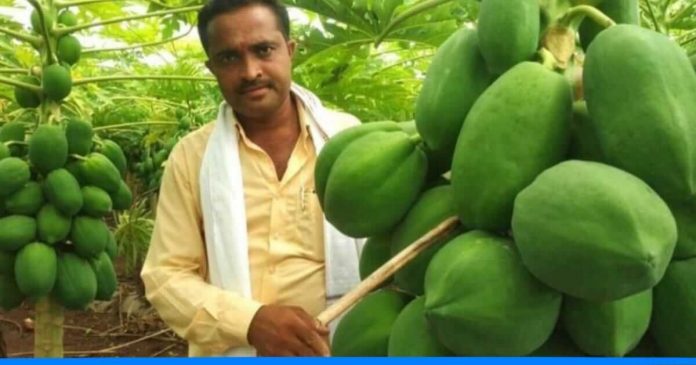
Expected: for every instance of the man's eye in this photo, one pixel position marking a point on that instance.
(264, 51)
(227, 58)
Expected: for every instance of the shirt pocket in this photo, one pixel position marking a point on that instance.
(307, 220)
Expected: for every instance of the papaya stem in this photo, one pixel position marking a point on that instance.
(12, 71)
(415, 10)
(44, 31)
(33, 40)
(575, 15)
(62, 31)
(88, 80)
(65, 4)
(136, 46)
(415, 138)
(78, 157)
(548, 60)
(9, 81)
(126, 125)
(48, 332)
(15, 143)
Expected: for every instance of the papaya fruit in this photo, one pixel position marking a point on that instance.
(79, 135)
(674, 318)
(13, 132)
(68, 49)
(16, 231)
(52, 225)
(693, 61)
(593, 231)
(97, 170)
(4, 151)
(11, 296)
(374, 254)
(644, 119)
(646, 347)
(620, 11)
(432, 207)
(521, 126)
(7, 263)
(685, 216)
(584, 143)
(89, 236)
(508, 32)
(335, 146)
(457, 75)
(558, 345)
(48, 148)
(63, 191)
(56, 82)
(35, 269)
(115, 154)
(481, 301)
(111, 247)
(74, 168)
(97, 202)
(411, 335)
(14, 174)
(67, 18)
(107, 283)
(35, 20)
(76, 283)
(123, 198)
(26, 201)
(612, 328)
(27, 98)
(364, 330)
(373, 182)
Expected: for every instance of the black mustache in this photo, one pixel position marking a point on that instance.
(254, 85)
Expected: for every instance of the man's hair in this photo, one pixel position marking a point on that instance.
(217, 7)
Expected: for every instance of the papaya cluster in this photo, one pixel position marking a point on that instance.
(54, 79)
(57, 186)
(577, 210)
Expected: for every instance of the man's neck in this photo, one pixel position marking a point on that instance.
(286, 118)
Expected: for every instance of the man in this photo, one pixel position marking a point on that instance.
(241, 259)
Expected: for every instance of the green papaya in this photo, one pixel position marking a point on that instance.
(481, 301)
(674, 318)
(411, 335)
(612, 328)
(115, 154)
(374, 254)
(74, 167)
(35, 269)
(67, 18)
(16, 231)
(35, 20)
(7, 263)
(4, 151)
(520, 126)
(685, 216)
(335, 146)
(13, 132)
(123, 198)
(52, 225)
(89, 236)
(373, 182)
(584, 143)
(97, 202)
(27, 98)
(431, 208)
(644, 119)
(558, 345)
(48, 148)
(76, 283)
(63, 191)
(620, 11)
(97, 170)
(68, 49)
(107, 283)
(364, 330)
(508, 32)
(111, 247)
(79, 135)
(457, 75)
(26, 201)
(646, 347)
(693, 61)
(14, 174)
(593, 231)
(56, 82)
(11, 296)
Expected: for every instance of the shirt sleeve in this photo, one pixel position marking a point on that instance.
(175, 266)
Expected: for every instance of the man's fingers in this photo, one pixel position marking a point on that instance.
(319, 345)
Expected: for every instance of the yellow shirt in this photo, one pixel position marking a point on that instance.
(285, 235)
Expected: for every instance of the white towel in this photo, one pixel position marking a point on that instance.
(224, 216)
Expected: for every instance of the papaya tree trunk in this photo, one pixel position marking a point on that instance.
(48, 328)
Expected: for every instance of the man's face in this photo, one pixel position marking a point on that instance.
(251, 60)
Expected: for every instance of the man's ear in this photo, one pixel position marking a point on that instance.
(291, 47)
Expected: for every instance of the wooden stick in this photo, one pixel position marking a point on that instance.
(388, 269)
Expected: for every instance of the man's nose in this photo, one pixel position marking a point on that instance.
(252, 69)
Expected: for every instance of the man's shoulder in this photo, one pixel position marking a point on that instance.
(196, 139)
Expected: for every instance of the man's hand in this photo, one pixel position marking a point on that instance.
(278, 330)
